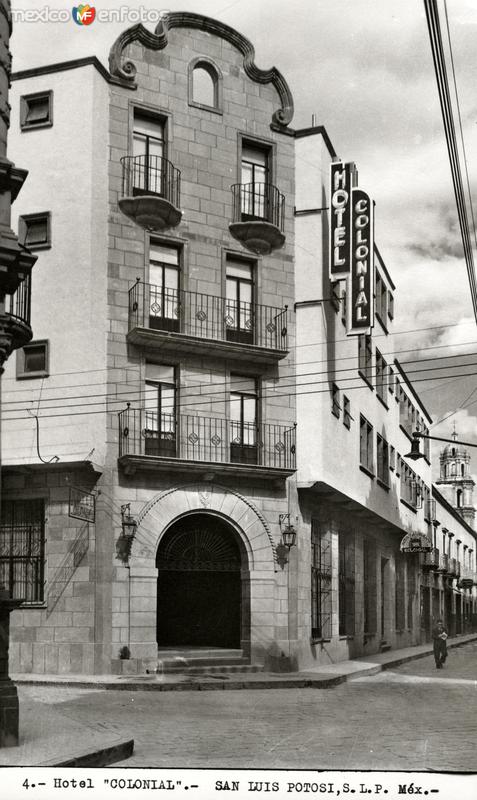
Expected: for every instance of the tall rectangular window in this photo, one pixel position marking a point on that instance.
(335, 400)
(321, 596)
(255, 179)
(243, 420)
(369, 586)
(239, 317)
(163, 288)
(346, 584)
(366, 444)
(382, 458)
(22, 549)
(365, 358)
(160, 410)
(381, 377)
(346, 412)
(148, 152)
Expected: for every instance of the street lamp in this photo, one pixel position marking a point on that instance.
(128, 531)
(288, 540)
(415, 453)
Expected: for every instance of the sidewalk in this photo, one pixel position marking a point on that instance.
(319, 677)
(51, 736)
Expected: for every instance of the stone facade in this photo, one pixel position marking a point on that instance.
(207, 496)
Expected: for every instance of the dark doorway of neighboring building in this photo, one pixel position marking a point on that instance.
(384, 598)
(425, 614)
(199, 584)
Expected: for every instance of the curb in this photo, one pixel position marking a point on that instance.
(102, 757)
(298, 681)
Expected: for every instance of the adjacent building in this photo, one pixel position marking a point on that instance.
(193, 401)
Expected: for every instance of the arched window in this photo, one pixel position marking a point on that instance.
(459, 498)
(454, 469)
(462, 469)
(205, 84)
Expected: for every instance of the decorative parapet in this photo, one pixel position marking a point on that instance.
(124, 70)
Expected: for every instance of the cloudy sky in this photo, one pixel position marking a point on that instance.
(364, 68)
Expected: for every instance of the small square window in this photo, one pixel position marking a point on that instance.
(35, 230)
(36, 111)
(33, 360)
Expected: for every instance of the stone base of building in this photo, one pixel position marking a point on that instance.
(9, 714)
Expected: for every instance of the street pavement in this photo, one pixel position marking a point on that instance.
(413, 717)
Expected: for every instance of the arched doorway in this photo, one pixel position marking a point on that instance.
(199, 591)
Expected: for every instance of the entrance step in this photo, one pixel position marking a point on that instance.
(201, 661)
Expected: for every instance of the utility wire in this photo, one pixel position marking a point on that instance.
(438, 57)
(222, 386)
(361, 387)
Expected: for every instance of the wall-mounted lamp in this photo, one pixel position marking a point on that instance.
(288, 540)
(128, 531)
(415, 453)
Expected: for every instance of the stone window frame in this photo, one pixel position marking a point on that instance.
(244, 138)
(204, 62)
(21, 372)
(158, 113)
(23, 222)
(25, 100)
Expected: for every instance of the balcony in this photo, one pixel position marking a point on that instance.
(151, 192)
(431, 560)
(452, 569)
(468, 578)
(258, 217)
(15, 330)
(204, 445)
(443, 563)
(185, 322)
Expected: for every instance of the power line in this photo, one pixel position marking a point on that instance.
(438, 57)
(222, 387)
(195, 404)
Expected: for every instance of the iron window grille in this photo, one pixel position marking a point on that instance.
(370, 586)
(22, 549)
(321, 586)
(346, 580)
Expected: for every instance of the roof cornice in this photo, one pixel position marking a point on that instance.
(124, 70)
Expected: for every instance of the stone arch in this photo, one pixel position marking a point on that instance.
(160, 512)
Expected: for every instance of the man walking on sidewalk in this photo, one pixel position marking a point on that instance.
(439, 636)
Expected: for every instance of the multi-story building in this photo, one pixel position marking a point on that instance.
(161, 382)
(150, 445)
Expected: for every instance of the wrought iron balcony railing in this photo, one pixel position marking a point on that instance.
(151, 175)
(205, 439)
(18, 304)
(452, 569)
(258, 201)
(443, 562)
(431, 560)
(207, 317)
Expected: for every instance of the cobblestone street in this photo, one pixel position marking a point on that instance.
(410, 718)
